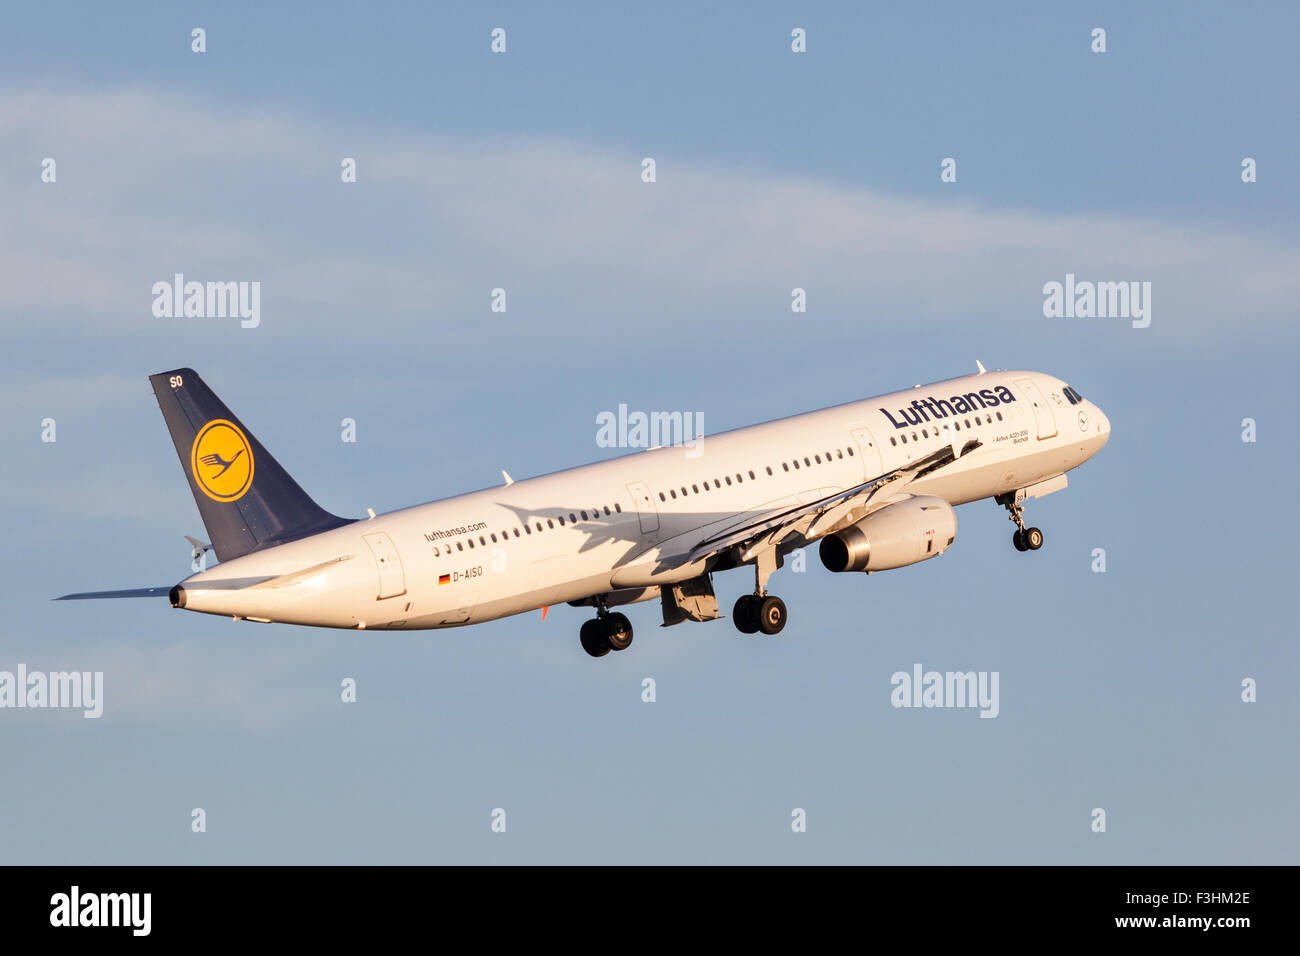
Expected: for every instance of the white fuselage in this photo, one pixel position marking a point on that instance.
(631, 522)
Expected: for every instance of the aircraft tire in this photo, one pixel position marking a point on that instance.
(744, 616)
(592, 637)
(617, 631)
(771, 614)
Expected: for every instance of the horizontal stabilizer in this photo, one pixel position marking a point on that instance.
(127, 593)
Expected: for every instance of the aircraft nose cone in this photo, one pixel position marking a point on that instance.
(1101, 421)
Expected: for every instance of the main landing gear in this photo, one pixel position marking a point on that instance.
(754, 613)
(605, 632)
(1024, 539)
(760, 611)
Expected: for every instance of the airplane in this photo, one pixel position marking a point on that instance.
(872, 482)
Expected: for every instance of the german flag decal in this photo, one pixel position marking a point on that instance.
(444, 579)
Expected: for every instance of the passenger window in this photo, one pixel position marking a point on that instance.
(806, 461)
(785, 466)
(661, 496)
(738, 478)
(539, 526)
(751, 476)
(839, 454)
(904, 437)
(796, 464)
(999, 414)
(683, 491)
(459, 546)
(673, 493)
(494, 539)
(584, 515)
(617, 507)
(561, 520)
(550, 523)
(695, 488)
(893, 441)
(769, 470)
(516, 532)
(850, 451)
(728, 477)
(819, 458)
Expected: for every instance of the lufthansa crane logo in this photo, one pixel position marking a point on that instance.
(221, 461)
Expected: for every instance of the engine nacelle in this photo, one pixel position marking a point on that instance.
(897, 535)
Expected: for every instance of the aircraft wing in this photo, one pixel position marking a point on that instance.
(818, 517)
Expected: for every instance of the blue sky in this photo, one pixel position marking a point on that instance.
(1118, 690)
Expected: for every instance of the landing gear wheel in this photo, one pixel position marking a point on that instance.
(617, 631)
(771, 614)
(1018, 539)
(1032, 538)
(593, 638)
(745, 614)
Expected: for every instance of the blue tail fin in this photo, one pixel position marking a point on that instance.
(246, 499)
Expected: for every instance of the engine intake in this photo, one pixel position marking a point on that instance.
(920, 528)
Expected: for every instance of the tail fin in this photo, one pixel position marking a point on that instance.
(246, 499)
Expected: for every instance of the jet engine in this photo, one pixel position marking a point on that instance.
(906, 532)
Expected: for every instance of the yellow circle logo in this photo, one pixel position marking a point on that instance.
(221, 461)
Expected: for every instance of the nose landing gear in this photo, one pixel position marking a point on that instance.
(1027, 539)
(1024, 539)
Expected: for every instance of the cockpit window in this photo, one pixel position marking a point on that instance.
(1072, 395)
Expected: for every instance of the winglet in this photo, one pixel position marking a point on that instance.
(980, 365)
(509, 480)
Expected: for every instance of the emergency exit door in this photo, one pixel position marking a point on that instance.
(392, 579)
(645, 506)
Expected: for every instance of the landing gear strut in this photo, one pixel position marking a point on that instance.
(605, 632)
(760, 611)
(1024, 539)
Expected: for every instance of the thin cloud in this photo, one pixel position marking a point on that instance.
(152, 184)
